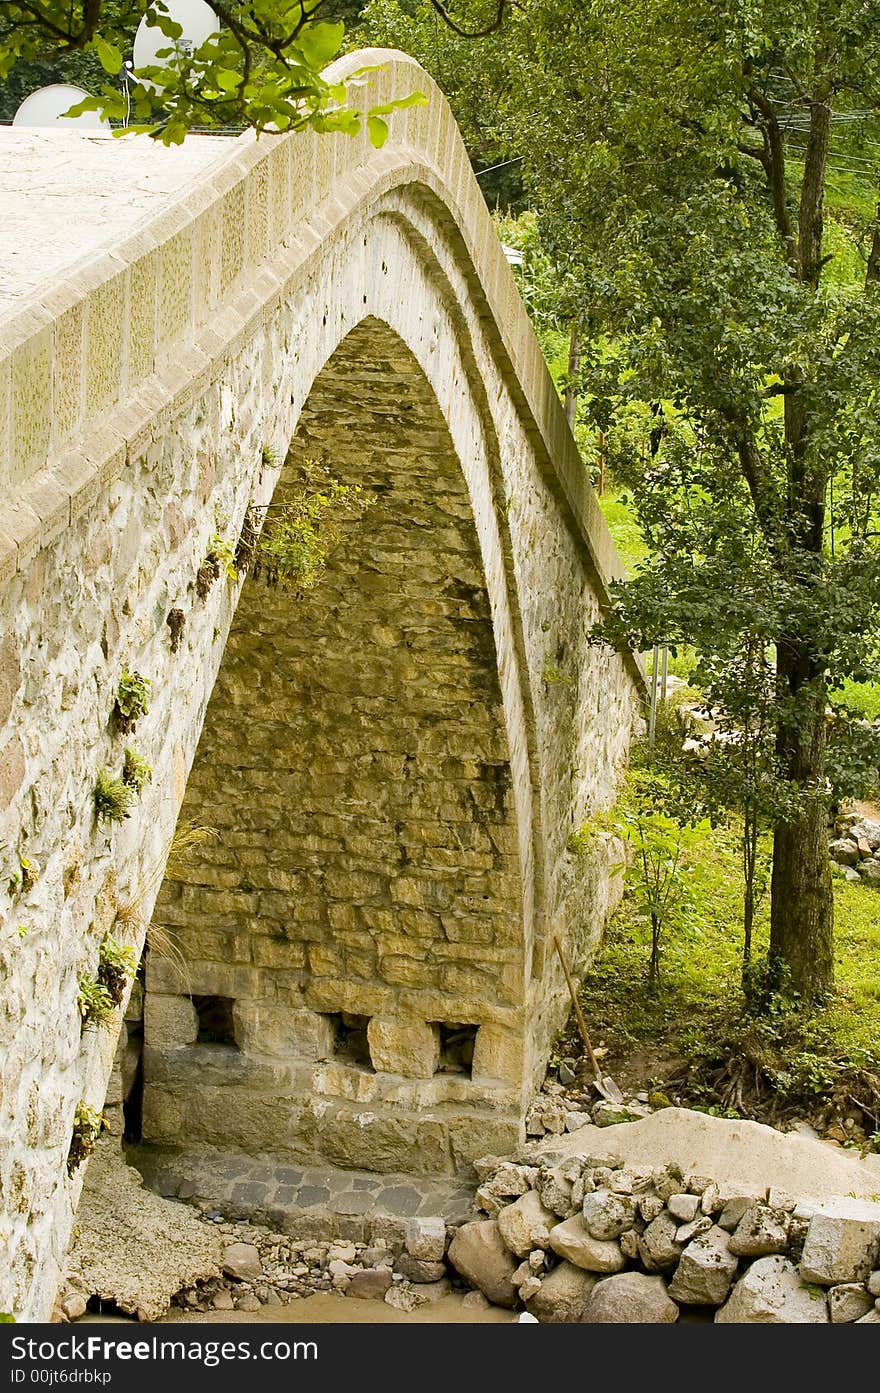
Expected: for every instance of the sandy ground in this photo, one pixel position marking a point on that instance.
(328, 1308)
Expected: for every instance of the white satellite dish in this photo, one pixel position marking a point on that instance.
(198, 22)
(46, 107)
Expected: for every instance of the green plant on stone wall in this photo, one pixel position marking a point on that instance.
(219, 560)
(136, 772)
(87, 1125)
(24, 878)
(117, 966)
(269, 457)
(132, 701)
(113, 798)
(552, 675)
(287, 542)
(94, 1002)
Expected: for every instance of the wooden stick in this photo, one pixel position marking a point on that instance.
(579, 1015)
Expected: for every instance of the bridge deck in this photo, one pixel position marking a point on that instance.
(65, 195)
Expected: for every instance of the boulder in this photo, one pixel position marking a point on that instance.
(555, 1191)
(848, 1303)
(477, 1251)
(760, 1231)
(705, 1271)
(572, 1241)
(563, 1296)
(772, 1293)
(873, 1284)
(606, 1214)
(842, 1242)
(524, 1225)
(630, 1297)
(872, 1318)
(242, 1261)
(844, 852)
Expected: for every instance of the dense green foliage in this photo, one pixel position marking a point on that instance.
(263, 68)
(678, 158)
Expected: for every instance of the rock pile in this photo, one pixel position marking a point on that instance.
(261, 1267)
(589, 1239)
(855, 848)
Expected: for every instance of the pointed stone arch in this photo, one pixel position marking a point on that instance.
(361, 911)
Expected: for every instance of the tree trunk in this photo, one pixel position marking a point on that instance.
(574, 363)
(801, 898)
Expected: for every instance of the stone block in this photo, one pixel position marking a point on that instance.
(772, 1293)
(283, 1032)
(842, 1242)
(630, 1297)
(425, 1238)
(705, 1270)
(169, 1020)
(411, 1048)
(498, 1054)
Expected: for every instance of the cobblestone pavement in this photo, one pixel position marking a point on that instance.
(320, 1202)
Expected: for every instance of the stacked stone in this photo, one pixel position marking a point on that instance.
(586, 1239)
(855, 849)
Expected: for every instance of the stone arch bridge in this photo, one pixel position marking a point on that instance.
(356, 967)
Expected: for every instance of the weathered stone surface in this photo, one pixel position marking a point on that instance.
(425, 1238)
(133, 1248)
(555, 1189)
(772, 1293)
(705, 1271)
(760, 1231)
(525, 1224)
(563, 1296)
(404, 1047)
(607, 1215)
(873, 1284)
(169, 1020)
(848, 1302)
(419, 1270)
(477, 1251)
(630, 1297)
(842, 1242)
(572, 1241)
(734, 1210)
(370, 1284)
(872, 1318)
(657, 1245)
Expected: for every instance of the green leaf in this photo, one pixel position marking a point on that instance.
(319, 43)
(227, 81)
(378, 130)
(108, 54)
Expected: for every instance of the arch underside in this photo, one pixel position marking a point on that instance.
(358, 918)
